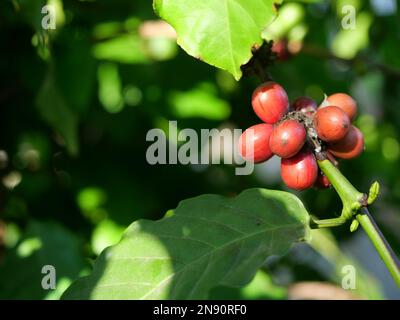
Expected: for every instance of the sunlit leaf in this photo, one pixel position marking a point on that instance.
(110, 87)
(220, 33)
(106, 233)
(290, 15)
(207, 241)
(125, 49)
(202, 101)
(347, 43)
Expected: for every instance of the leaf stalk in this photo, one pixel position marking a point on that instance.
(355, 207)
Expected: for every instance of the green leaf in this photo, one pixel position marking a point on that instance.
(207, 241)
(44, 243)
(202, 101)
(124, 49)
(110, 87)
(221, 33)
(260, 288)
(349, 42)
(56, 112)
(76, 73)
(30, 12)
(105, 234)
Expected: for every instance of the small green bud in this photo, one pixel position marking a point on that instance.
(354, 225)
(373, 192)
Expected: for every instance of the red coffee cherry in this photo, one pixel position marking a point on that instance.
(305, 105)
(331, 123)
(280, 48)
(254, 143)
(344, 102)
(270, 102)
(322, 181)
(351, 146)
(287, 138)
(299, 172)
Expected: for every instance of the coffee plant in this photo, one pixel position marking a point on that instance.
(75, 175)
(229, 239)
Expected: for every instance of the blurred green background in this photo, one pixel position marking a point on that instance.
(77, 102)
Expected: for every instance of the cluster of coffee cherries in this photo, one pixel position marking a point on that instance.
(294, 133)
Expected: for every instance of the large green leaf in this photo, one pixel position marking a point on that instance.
(207, 241)
(43, 243)
(220, 33)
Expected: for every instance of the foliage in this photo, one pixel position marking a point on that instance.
(207, 241)
(77, 102)
(221, 33)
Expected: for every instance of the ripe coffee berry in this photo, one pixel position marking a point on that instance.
(299, 172)
(287, 138)
(331, 123)
(305, 105)
(270, 102)
(344, 102)
(254, 143)
(322, 181)
(351, 146)
(280, 48)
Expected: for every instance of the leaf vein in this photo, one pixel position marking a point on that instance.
(165, 281)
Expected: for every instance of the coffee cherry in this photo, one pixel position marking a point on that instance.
(305, 105)
(299, 172)
(322, 181)
(344, 102)
(350, 146)
(270, 102)
(331, 123)
(280, 48)
(254, 143)
(287, 138)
